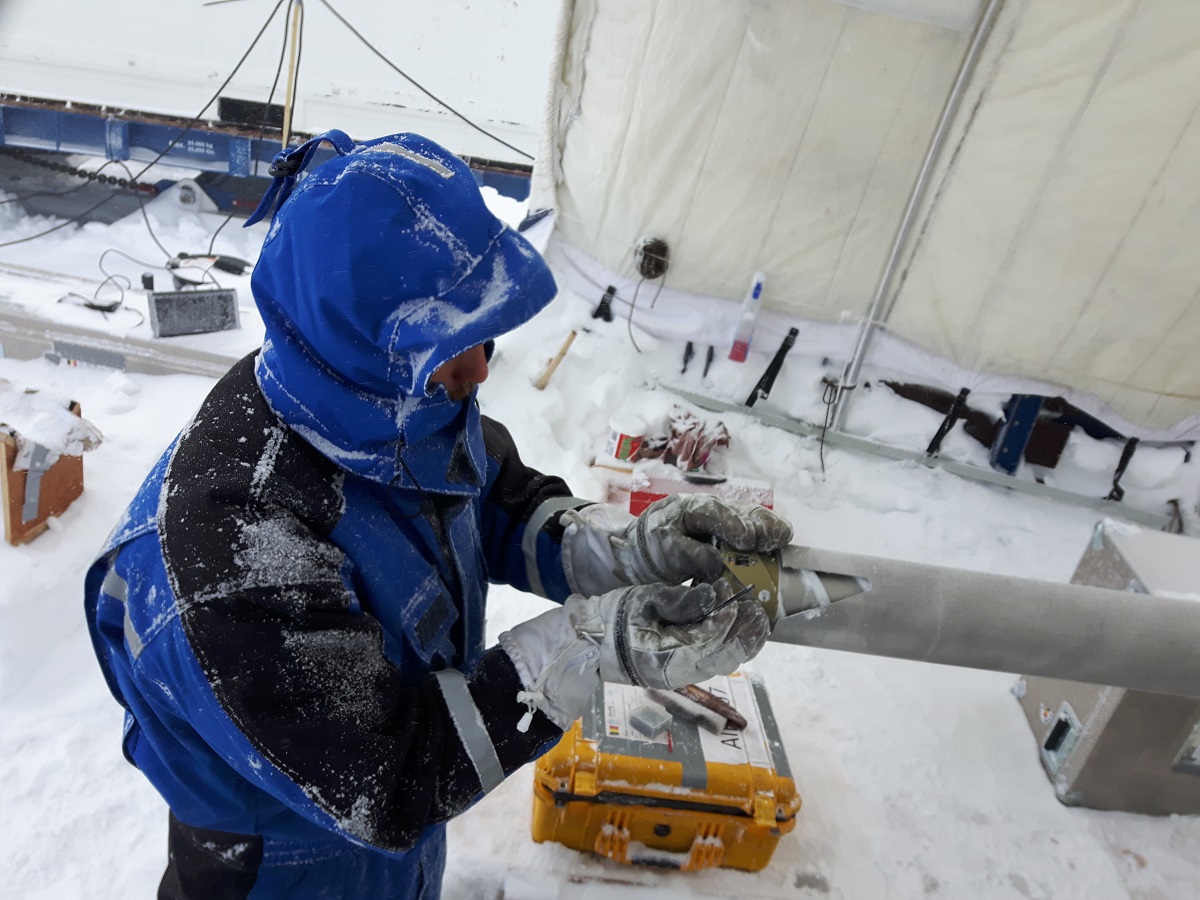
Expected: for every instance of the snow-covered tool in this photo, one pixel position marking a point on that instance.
(604, 310)
(544, 378)
(684, 709)
(231, 264)
(952, 416)
(763, 388)
(733, 719)
(884, 607)
(688, 351)
(1118, 493)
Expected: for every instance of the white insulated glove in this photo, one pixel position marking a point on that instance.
(667, 636)
(559, 668)
(670, 542)
(656, 635)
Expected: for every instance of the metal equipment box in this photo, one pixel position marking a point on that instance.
(686, 798)
(1108, 747)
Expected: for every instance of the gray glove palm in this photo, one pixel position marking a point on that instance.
(654, 635)
(670, 542)
(663, 636)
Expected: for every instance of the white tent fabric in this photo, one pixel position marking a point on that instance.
(1064, 240)
(1056, 244)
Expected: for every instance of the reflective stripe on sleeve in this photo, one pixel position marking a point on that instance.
(116, 587)
(471, 730)
(533, 528)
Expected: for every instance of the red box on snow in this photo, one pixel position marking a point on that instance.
(648, 485)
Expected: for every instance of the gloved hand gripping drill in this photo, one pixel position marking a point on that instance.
(630, 619)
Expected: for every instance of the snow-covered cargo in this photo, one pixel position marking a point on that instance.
(42, 439)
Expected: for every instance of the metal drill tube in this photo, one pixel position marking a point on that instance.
(958, 617)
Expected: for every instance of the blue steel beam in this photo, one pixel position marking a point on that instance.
(113, 137)
(68, 131)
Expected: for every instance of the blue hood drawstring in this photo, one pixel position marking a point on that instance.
(286, 168)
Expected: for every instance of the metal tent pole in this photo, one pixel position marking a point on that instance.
(849, 379)
(297, 15)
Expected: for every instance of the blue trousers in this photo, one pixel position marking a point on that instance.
(217, 865)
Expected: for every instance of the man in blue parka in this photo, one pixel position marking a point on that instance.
(291, 610)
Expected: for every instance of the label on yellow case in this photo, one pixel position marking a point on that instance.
(731, 747)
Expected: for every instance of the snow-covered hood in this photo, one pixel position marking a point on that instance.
(380, 265)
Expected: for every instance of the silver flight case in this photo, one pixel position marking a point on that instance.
(1109, 747)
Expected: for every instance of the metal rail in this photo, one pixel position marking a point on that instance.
(1158, 521)
(23, 336)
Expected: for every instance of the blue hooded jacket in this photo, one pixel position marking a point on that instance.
(291, 609)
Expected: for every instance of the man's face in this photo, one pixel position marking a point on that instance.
(463, 373)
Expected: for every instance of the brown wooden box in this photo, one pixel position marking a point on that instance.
(58, 488)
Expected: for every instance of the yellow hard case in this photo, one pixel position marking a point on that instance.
(687, 799)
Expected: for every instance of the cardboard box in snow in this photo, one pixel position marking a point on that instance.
(42, 438)
(654, 481)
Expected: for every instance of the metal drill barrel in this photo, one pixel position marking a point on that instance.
(864, 604)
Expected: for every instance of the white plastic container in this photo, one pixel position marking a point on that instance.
(626, 432)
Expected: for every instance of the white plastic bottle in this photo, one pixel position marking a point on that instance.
(745, 327)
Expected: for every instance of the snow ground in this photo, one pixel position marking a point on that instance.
(917, 780)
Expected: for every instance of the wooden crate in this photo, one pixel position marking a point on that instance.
(57, 489)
